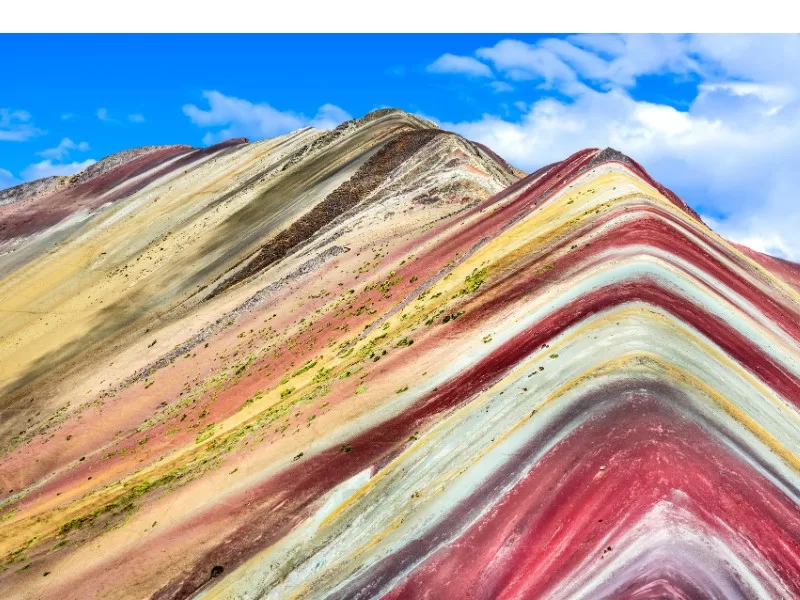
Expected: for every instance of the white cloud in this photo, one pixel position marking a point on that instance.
(609, 60)
(329, 116)
(624, 58)
(731, 153)
(754, 234)
(241, 118)
(66, 116)
(17, 126)
(521, 61)
(501, 86)
(104, 115)
(47, 168)
(7, 179)
(463, 65)
(759, 58)
(764, 92)
(63, 149)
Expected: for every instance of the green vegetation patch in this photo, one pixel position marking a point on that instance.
(452, 316)
(206, 433)
(306, 367)
(473, 281)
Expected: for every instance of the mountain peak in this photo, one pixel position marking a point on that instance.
(387, 113)
(610, 155)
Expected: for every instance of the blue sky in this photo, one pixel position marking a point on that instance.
(716, 118)
(155, 76)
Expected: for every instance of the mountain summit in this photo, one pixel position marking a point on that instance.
(380, 362)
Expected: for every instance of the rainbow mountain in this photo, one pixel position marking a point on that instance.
(380, 362)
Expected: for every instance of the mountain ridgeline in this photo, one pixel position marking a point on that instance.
(381, 362)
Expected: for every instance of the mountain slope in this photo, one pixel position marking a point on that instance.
(375, 363)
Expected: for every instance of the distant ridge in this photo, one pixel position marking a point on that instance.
(48, 185)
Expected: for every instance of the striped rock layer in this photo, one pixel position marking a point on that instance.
(379, 362)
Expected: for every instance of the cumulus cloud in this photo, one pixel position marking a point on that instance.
(63, 149)
(136, 118)
(521, 61)
(17, 126)
(236, 117)
(731, 153)
(605, 59)
(47, 168)
(463, 65)
(329, 116)
(102, 114)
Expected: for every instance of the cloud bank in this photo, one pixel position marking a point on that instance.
(730, 150)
